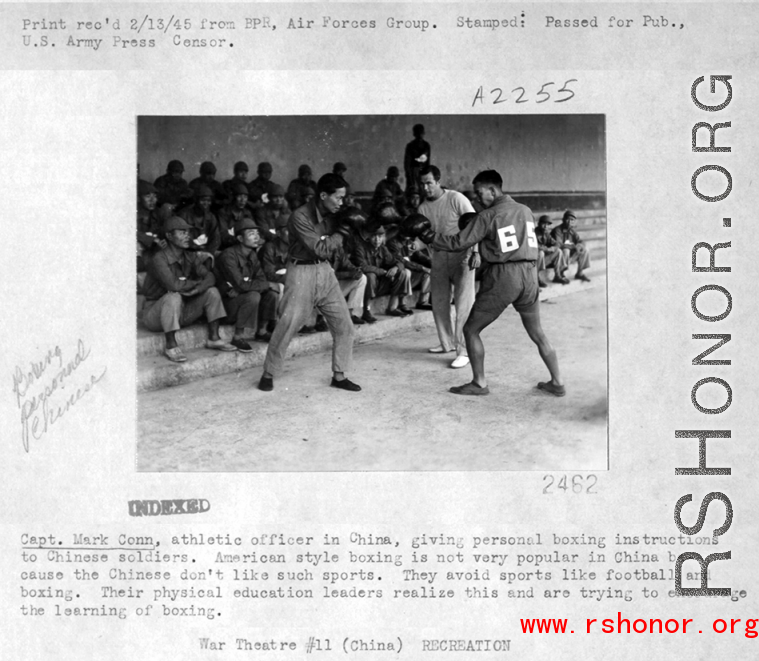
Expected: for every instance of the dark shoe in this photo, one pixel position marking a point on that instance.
(470, 389)
(220, 345)
(241, 346)
(542, 283)
(357, 320)
(423, 306)
(405, 310)
(368, 317)
(307, 330)
(266, 383)
(394, 313)
(345, 384)
(548, 387)
(271, 326)
(263, 337)
(562, 280)
(582, 277)
(321, 326)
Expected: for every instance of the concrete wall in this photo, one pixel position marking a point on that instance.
(532, 152)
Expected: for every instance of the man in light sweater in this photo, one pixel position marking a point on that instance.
(450, 270)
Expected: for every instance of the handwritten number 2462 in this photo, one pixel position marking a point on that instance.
(544, 94)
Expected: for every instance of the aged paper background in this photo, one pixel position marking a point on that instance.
(68, 140)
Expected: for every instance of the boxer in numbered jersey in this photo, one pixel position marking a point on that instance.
(505, 231)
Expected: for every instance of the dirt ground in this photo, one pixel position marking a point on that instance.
(404, 419)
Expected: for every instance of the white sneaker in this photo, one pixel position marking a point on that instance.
(439, 349)
(460, 361)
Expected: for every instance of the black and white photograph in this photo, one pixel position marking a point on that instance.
(244, 331)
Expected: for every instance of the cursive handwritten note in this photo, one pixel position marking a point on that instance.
(46, 389)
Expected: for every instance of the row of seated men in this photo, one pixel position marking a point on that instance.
(232, 270)
(171, 188)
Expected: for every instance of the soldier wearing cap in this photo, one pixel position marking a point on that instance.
(274, 258)
(413, 199)
(239, 177)
(149, 224)
(383, 196)
(571, 245)
(232, 214)
(179, 289)
(311, 283)
(549, 253)
(391, 185)
(385, 273)
(204, 227)
(296, 190)
(262, 183)
(208, 178)
(247, 296)
(308, 193)
(340, 169)
(172, 188)
(268, 216)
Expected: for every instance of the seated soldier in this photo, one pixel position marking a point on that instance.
(352, 201)
(261, 185)
(416, 258)
(208, 178)
(383, 196)
(179, 289)
(149, 225)
(295, 191)
(246, 294)
(352, 285)
(340, 169)
(270, 214)
(233, 213)
(239, 177)
(549, 253)
(390, 183)
(351, 279)
(274, 259)
(172, 188)
(413, 200)
(571, 245)
(384, 274)
(204, 228)
(307, 194)
(388, 216)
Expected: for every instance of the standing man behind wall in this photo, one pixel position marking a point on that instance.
(311, 283)
(510, 250)
(449, 270)
(416, 157)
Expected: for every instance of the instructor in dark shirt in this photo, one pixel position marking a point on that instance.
(311, 283)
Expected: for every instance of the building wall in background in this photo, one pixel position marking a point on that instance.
(532, 152)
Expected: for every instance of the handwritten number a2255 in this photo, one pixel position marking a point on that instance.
(542, 95)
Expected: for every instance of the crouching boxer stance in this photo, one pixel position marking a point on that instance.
(509, 250)
(310, 282)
